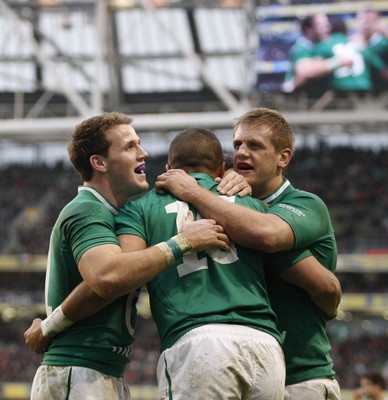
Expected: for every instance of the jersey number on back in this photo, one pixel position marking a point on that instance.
(192, 263)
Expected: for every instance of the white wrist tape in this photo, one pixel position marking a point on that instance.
(165, 249)
(55, 323)
(174, 248)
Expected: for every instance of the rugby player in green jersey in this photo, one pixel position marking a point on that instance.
(296, 220)
(308, 70)
(358, 76)
(217, 331)
(87, 360)
(372, 34)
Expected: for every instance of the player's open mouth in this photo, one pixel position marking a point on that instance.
(244, 167)
(140, 169)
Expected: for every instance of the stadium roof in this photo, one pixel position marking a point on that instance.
(169, 63)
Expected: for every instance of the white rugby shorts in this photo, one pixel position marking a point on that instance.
(222, 361)
(75, 383)
(317, 389)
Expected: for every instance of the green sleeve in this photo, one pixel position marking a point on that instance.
(307, 216)
(130, 220)
(92, 225)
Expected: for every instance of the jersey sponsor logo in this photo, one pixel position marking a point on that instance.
(293, 209)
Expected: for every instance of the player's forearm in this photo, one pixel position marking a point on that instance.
(83, 302)
(312, 68)
(321, 284)
(230, 216)
(126, 272)
(118, 274)
(246, 227)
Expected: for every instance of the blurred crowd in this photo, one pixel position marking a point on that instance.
(348, 179)
(352, 182)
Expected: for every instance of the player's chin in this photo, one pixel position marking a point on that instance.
(143, 184)
(249, 176)
(246, 173)
(139, 188)
(140, 181)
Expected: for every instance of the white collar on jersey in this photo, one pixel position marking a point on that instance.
(105, 202)
(278, 191)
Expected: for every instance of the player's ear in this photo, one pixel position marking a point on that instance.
(167, 167)
(285, 157)
(98, 162)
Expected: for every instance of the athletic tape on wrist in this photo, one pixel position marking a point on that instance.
(183, 243)
(165, 249)
(55, 323)
(176, 251)
(174, 248)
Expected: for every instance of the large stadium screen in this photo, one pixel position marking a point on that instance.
(279, 29)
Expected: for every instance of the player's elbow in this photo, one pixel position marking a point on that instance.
(274, 240)
(104, 291)
(273, 234)
(112, 286)
(258, 239)
(333, 289)
(106, 287)
(269, 243)
(328, 297)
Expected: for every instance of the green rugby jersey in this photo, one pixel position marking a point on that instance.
(356, 77)
(201, 288)
(302, 48)
(101, 341)
(378, 44)
(303, 326)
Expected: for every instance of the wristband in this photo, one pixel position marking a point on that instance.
(174, 248)
(332, 63)
(183, 243)
(165, 249)
(55, 323)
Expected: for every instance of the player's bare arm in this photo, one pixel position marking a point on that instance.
(81, 303)
(321, 284)
(246, 227)
(307, 69)
(115, 273)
